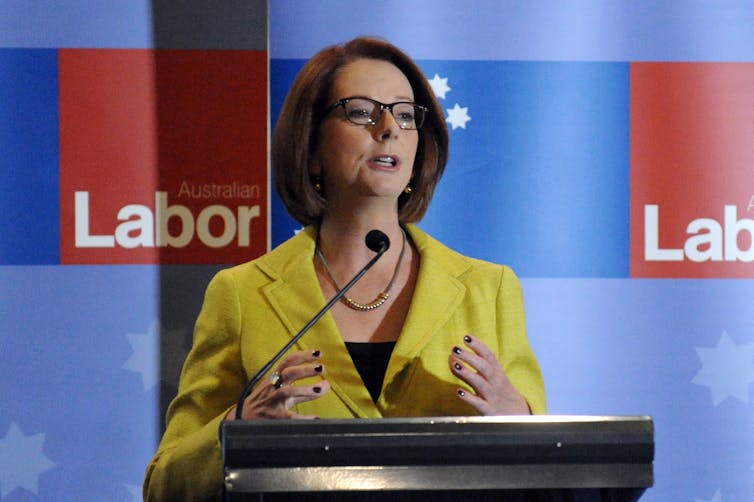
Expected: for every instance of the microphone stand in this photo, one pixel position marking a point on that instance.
(247, 390)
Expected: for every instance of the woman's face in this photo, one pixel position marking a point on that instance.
(355, 160)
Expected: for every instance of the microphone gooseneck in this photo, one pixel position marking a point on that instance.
(376, 241)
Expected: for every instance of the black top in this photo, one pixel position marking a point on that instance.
(371, 361)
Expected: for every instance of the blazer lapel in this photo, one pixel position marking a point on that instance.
(437, 294)
(296, 296)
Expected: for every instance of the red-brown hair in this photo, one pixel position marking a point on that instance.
(295, 136)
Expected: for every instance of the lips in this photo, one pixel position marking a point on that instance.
(385, 160)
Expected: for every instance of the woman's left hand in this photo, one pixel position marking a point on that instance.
(494, 393)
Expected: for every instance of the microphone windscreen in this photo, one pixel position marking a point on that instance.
(376, 240)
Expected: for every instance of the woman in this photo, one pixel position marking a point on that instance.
(360, 144)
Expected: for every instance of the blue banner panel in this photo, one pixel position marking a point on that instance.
(681, 351)
(79, 416)
(134, 24)
(546, 30)
(29, 146)
(76, 23)
(282, 73)
(538, 175)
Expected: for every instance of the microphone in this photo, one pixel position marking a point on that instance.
(375, 240)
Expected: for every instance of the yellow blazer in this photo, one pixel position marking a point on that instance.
(250, 311)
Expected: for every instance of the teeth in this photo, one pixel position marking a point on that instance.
(385, 160)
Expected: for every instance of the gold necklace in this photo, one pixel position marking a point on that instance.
(381, 298)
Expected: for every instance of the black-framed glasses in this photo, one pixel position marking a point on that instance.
(367, 111)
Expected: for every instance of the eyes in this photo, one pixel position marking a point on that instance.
(367, 111)
(360, 114)
(407, 114)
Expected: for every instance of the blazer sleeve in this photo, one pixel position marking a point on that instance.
(517, 357)
(188, 462)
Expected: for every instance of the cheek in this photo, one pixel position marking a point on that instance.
(340, 141)
(413, 147)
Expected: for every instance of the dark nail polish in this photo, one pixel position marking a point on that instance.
(457, 366)
(461, 392)
(467, 339)
(315, 353)
(317, 390)
(456, 350)
(318, 368)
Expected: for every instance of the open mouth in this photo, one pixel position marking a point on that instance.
(386, 161)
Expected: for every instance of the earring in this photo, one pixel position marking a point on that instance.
(318, 183)
(408, 189)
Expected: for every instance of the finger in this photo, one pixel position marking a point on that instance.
(491, 367)
(479, 347)
(478, 363)
(479, 404)
(295, 373)
(300, 357)
(269, 403)
(303, 393)
(474, 379)
(304, 417)
(266, 408)
(486, 385)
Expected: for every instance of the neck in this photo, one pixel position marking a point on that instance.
(345, 236)
(342, 244)
(377, 274)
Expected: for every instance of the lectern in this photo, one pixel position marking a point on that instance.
(531, 458)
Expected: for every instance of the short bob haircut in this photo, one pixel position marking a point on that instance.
(295, 138)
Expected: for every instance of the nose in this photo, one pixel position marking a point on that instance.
(386, 128)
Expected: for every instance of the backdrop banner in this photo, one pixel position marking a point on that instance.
(601, 149)
(133, 167)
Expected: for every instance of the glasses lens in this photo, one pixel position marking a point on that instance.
(362, 111)
(408, 116)
(367, 112)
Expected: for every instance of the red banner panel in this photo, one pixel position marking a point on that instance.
(692, 170)
(163, 156)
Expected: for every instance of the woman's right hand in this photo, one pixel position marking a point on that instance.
(270, 401)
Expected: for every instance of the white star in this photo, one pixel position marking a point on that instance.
(22, 460)
(439, 86)
(135, 492)
(146, 352)
(727, 369)
(715, 498)
(458, 116)
(145, 357)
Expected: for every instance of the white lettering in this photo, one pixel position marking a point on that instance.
(708, 240)
(707, 243)
(751, 204)
(652, 251)
(163, 215)
(140, 227)
(81, 224)
(232, 190)
(202, 226)
(245, 215)
(733, 226)
(136, 218)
